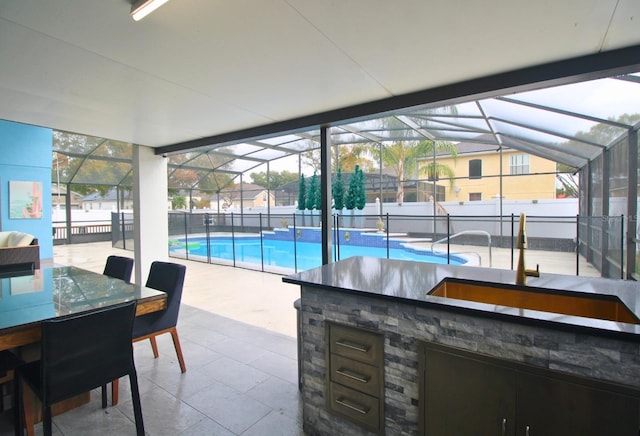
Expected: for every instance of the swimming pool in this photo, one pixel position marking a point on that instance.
(301, 256)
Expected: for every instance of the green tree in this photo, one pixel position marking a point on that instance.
(178, 202)
(345, 157)
(402, 157)
(601, 133)
(337, 191)
(275, 179)
(354, 189)
(203, 203)
(361, 197)
(302, 193)
(313, 192)
(90, 163)
(401, 151)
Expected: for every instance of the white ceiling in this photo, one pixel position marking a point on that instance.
(197, 68)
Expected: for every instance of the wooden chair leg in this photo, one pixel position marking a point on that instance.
(154, 346)
(115, 390)
(176, 344)
(28, 399)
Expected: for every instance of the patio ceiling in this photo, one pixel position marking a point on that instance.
(194, 68)
(222, 77)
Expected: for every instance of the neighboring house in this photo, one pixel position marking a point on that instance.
(59, 197)
(477, 170)
(109, 201)
(246, 196)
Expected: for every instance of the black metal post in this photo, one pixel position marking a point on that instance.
(388, 235)
(512, 237)
(233, 240)
(622, 246)
(186, 235)
(448, 240)
(208, 235)
(124, 235)
(325, 183)
(295, 246)
(336, 236)
(577, 245)
(261, 245)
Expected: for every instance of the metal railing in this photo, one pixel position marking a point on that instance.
(448, 239)
(575, 245)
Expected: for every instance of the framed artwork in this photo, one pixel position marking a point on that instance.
(25, 200)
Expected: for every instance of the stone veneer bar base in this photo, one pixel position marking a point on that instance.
(405, 325)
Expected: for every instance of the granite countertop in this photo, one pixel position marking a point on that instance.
(410, 282)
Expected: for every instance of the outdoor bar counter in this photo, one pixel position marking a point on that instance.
(389, 301)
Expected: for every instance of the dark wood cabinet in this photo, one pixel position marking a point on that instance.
(355, 385)
(550, 406)
(465, 393)
(466, 396)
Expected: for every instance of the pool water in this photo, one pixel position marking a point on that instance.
(302, 256)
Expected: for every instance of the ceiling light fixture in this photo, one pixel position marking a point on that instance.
(142, 8)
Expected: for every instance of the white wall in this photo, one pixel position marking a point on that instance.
(566, 207)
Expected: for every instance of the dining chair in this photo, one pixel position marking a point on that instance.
(167, 277)
(79, 353)
(119, 267)
(9, 362)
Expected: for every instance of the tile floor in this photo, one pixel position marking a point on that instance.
(237, 329)
(241, 376)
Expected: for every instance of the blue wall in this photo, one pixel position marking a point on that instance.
(25, 155)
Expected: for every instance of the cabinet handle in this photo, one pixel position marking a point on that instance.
(353, 346)
(353, 406)
(526, 430)
(353, 375)
(504, 426)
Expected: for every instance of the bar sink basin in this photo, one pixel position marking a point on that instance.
(598, 306)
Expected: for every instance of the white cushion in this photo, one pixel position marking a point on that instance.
(19, 239)
(4, 239)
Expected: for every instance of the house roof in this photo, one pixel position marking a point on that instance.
(110, 195)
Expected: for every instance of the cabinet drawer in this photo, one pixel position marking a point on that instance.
(355, 405)
(356, 375)
(361, 345)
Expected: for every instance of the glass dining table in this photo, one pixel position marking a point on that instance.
(28, 298)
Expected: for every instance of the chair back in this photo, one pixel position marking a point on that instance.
(119, 267)
(81, 352)
(167, 277)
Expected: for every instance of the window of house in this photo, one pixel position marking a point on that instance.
(519, 164)
(475, 196)
(475, 169)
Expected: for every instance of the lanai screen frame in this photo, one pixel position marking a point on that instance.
(318, 129)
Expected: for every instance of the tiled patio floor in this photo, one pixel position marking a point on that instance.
(237, 329)
(241, 374)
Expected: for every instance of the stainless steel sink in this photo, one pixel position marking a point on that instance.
(598, 306)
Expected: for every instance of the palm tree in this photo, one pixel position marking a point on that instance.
(403, 156)
(435, 170)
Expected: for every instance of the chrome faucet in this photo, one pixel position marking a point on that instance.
(522, 272)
